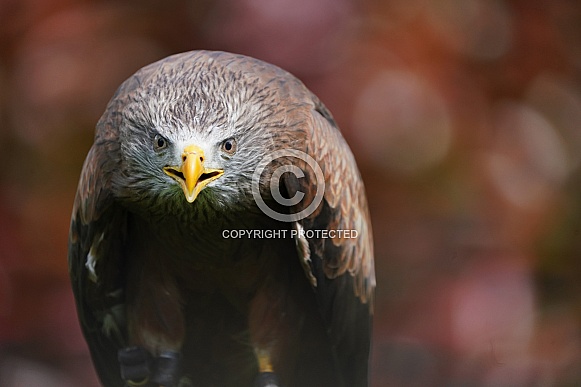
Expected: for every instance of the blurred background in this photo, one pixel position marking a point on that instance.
(464, 116)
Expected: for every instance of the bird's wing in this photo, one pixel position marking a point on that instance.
(96, 252)
(337, 248)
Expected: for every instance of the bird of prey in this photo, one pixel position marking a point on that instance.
(220, 234)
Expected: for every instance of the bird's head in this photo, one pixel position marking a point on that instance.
(192, 136)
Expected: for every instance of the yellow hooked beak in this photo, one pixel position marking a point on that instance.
(192, 175)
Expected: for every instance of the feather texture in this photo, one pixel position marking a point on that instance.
(150, 269)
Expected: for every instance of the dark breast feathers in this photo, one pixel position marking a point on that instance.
(219, 291)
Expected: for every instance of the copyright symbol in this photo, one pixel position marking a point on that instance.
(275, 184)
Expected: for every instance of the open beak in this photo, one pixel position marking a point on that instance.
(191, 174)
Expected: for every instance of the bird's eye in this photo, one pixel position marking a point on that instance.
(159, 142)
(229, 146)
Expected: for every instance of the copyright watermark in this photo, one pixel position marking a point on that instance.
(281, 234)
(274, 186)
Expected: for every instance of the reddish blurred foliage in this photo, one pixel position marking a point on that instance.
(464, 117)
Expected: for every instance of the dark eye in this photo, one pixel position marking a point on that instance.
(159, 142)
(229, 146)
